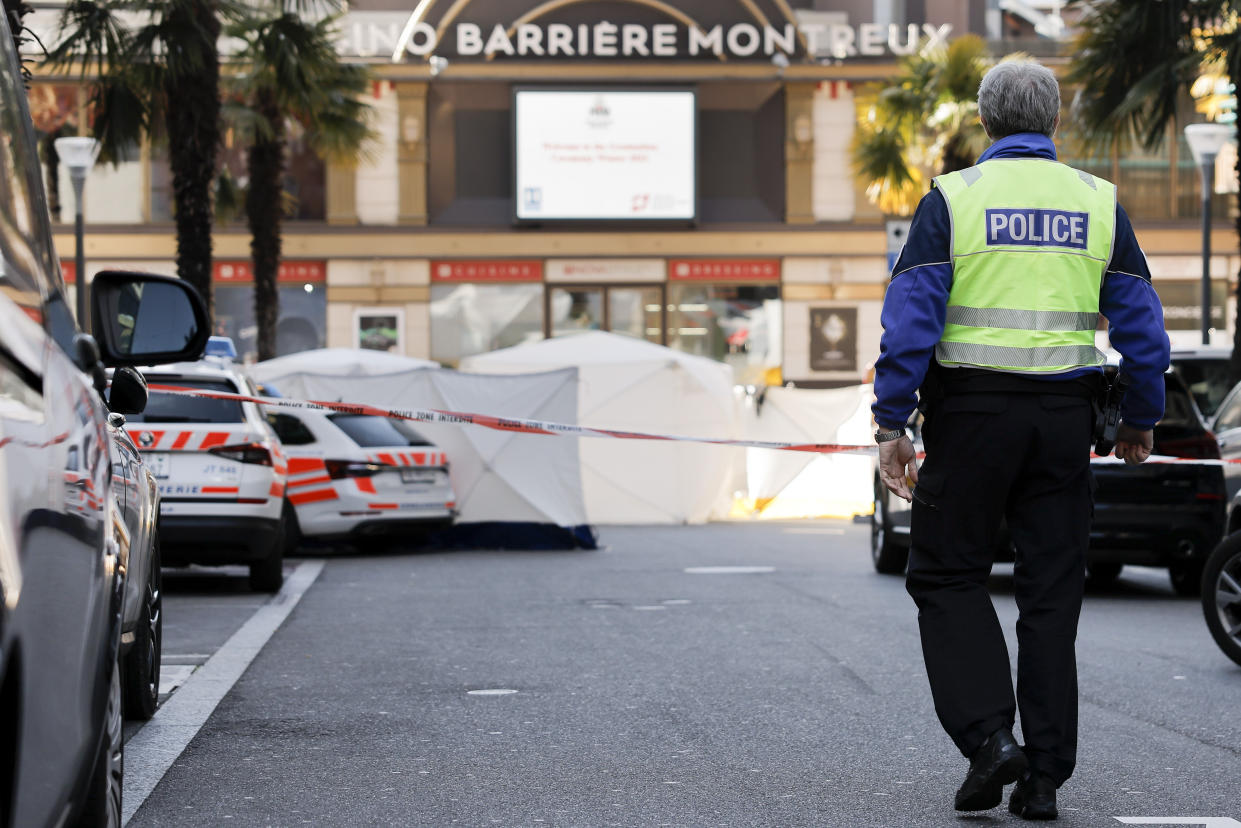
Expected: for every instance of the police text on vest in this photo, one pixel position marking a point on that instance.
(1035, 227)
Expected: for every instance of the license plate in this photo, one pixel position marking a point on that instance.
(159, 463)
(417, 477)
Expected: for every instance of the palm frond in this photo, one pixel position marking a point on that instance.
(1131, 64)
(880, 160)
(90, 34)
(122, 117)
(964, 64)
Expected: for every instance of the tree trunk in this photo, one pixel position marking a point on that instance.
(956, 156)
(193, 122)
(264, 212)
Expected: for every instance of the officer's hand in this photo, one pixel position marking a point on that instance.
(1134, 446)
(897, 460)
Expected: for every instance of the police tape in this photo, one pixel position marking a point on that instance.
(510, 424)
(518, 425)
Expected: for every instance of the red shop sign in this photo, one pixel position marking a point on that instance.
(69, 270)
(724, 270)
(487, 270)
(242, 271)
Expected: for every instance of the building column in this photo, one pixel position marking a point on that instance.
(342, 193)
(799, 152)
(412, 152)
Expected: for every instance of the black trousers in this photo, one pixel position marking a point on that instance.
(1023, 456)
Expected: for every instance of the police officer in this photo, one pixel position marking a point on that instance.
(991, 315)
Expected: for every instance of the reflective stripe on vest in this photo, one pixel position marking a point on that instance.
(1022, 320)
(1031, 239)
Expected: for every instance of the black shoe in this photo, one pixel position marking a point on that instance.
(1034, 797)
(999, 761)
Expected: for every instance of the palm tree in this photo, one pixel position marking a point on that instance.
(1133, 63)
(15, 12)
(158, 79)
(924, 122)
(290, 74)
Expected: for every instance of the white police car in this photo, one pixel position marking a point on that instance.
(354, 475)
(220, 469)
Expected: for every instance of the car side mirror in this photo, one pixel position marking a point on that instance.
(129, 392)
(144, 319)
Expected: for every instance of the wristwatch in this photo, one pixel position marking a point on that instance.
(882, 436)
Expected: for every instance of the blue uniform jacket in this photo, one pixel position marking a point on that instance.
(916, 305)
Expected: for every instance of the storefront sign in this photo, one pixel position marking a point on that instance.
(833, 339)
(290, 271)
(1182, 304)
(487, 270)
(724, 270)
(69, 270)
(399, 34)
(605, 270)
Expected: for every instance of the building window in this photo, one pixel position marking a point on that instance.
(468, 319)
(738, 324)
(628, 310)
(302, 325)
(305, 178)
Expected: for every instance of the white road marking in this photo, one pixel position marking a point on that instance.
(1205, 822)
(172, 676)
(153, 749)
(729, 570)
(495, 692)
(812, 531)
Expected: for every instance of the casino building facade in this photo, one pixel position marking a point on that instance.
(732, 227)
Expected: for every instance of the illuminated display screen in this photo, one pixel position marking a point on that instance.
(605, 155)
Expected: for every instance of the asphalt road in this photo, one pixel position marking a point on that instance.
(647, 694)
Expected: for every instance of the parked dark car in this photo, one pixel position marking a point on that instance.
(142, 619)
(64, 542)
(1155, 514)
(1221, 595)
(1204, 370)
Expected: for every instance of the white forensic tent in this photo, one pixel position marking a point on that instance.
(498, 476)
(634, 385)
(789, 484)
(339, 361)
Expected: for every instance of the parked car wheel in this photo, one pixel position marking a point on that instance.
(267, 575)
(1103, 573)
(1221, 596)
(141, 665)
(888, 557)
(292, 530)
(1186, 577)
(102, 808)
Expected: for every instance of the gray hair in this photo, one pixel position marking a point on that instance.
(1019, 96)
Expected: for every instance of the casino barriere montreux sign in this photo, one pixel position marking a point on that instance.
(401, 35)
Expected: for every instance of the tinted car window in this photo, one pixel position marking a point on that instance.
(1178, 409)
(24, 224)
(1207, 380)
(173, 408)
(290, 430)
(374, 432)
(1229, 415)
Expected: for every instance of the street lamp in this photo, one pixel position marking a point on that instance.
(1205, 142)
(79, 154)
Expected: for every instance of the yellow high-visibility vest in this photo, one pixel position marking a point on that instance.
(1031, 240)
